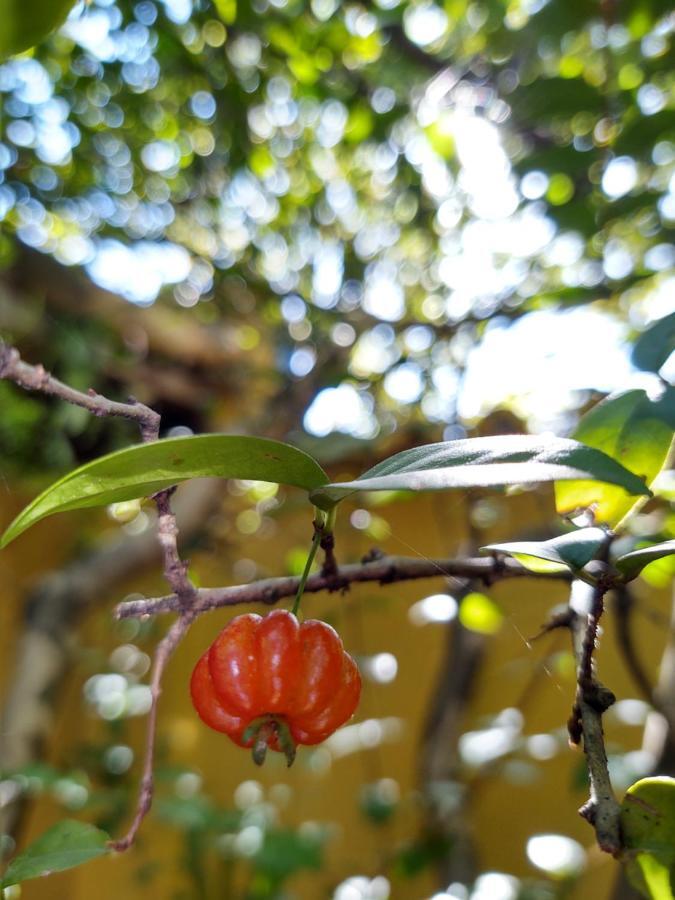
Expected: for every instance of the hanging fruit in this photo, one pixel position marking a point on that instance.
(273, 683)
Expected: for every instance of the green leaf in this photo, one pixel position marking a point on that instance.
(483, 462)
(24, 23)
(640, 133)
(568, 551)
(549, 98)
(196, 814)
(284, 852)
(655, 344)
(657, 877)
(636, 432)
(69, 843)
(147, 468)
(631, 564)
(648, 829)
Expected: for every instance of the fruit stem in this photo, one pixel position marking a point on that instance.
(319, 524)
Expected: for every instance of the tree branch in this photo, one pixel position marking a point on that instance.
(382, 569)
(36, 378)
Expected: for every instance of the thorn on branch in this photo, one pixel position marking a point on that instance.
(372, 556)
(575, 728)
(598, 696)
(498, 566)
(563, 619)
(589, 811)
(389, 576)
(337, 583)
(270, 596)
(42, 376)
(327, 544)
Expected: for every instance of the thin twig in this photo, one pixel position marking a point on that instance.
(175, 572)
(592, 700)
(36, 378)
(175, 569)
(381, 569)
(163, 653)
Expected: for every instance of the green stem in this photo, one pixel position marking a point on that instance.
(316, 540)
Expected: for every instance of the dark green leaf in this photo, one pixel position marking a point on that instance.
(635, 431)
(23, 23)
(144, 469)
(570, 551)
(548, 98)
(284, 852)
(196, 814)
(655, 345)
(483, 462)
(422, 854)
(69, 843)
(639, 135)
(631, 564)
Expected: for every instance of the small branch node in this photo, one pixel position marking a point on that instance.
(563, 619)
(589, 812)
(373, 555)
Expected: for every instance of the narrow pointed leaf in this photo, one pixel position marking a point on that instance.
(631, 564)
(570, 551)
(68, 844)
(655, 344)
(636, 432)
(144, 469)
(484, 462)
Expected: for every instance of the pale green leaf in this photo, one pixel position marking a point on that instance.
(537, 565)
(144, 469)
(656, 876)
(648, 829)
(570, 551)
(484, 462)
(631, 564)
(68, 844)
(636, 432)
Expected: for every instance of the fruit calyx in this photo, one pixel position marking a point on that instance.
(263, 731)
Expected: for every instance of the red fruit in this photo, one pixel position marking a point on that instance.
(272, 682)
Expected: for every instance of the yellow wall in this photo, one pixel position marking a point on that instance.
(370, 619)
